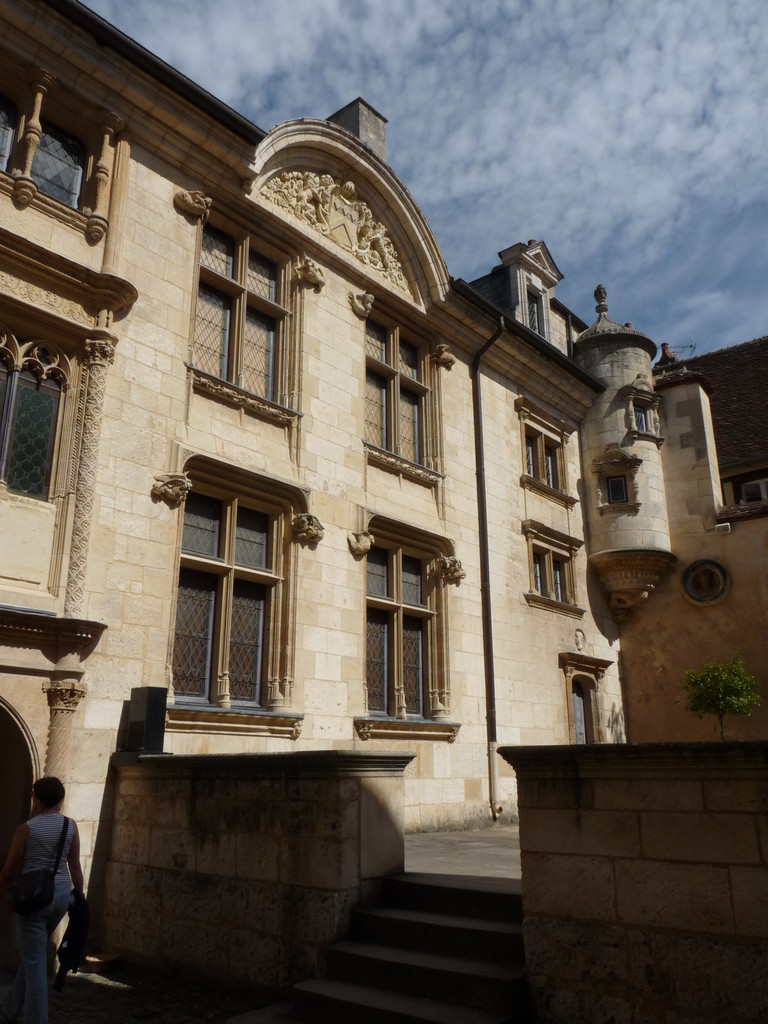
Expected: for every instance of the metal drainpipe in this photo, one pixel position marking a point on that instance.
(485, 576)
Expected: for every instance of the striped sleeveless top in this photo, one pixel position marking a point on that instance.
(43, 842)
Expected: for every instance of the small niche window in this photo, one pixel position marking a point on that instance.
(642, 410)
(395, 394)
(616, 487)
(238, 321)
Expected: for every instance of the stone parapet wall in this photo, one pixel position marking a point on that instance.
(645, 882)
(247, 867)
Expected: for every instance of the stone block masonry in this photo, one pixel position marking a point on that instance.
(645, 882)
(247, 867)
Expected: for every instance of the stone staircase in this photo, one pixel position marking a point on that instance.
(437, 948)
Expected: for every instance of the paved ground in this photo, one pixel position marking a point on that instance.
(133, 994)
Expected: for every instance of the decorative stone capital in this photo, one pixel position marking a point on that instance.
(195, 204)
(307, 528)
(110, 122)
(361, 304)
(444, 357)
(172, 488)
(360, 543)
(451, 569)
(63, 695)
(309, 272)
(99, 351)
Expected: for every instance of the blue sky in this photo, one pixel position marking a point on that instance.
(629, 136)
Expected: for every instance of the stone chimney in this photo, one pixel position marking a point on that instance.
(366, 123)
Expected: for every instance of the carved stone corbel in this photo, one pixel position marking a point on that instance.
(444, 357)
(361, 304)
(172, 488)
(307, 528)
(96, 226)
(360, 543)
(309, 272)
(451, 569)
(195, 204)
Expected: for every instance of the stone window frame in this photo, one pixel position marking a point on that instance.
(41, 103)
(549, 549)
(439, 570)
(588, 672)
(283, 504)
(387, 367)
(543, 438)
(642, 411)
(234, 287)
(615, 463)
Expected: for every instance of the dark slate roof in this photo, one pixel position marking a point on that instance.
(739, 399)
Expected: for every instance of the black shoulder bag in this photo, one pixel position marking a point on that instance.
(33, 890)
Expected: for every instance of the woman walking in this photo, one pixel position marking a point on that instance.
(34, 845)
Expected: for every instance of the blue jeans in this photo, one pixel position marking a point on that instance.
(30, 986)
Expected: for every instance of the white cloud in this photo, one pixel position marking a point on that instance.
(627, 135)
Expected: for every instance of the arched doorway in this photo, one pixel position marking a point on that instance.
(18, 768)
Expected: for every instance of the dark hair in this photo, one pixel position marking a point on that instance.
(49, 791)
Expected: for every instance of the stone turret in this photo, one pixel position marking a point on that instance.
(624, 497)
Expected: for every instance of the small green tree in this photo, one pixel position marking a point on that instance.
(722, 688)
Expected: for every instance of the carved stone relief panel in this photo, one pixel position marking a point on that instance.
(332, 208)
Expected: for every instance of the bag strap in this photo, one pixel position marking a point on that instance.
(62, 840)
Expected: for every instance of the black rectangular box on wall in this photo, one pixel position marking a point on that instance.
(146, 719)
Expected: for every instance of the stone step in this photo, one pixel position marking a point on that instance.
(345, 1003)
(491, 898)
(495, 941)
(430, 975)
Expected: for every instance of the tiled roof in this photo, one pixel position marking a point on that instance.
(739, 399)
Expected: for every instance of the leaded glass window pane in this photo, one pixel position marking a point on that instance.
(413, 664)
(246, 641)
(258, 354)
(7, 129)
(411, 577)
(376, 659)
(32, 438)
(376, 341)
(409, 426)
(376, 410)
(409, 360)
(377, 572)
(217, 252)
(211, 349)
(3, 392)
(261, 277)
(194, 633)
(251, 535)
(57, 166)
(202, 522)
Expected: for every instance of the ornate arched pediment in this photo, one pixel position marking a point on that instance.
(340, 192)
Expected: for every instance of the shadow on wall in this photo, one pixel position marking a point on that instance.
(269, 852)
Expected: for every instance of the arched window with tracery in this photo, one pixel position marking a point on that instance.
(33, 375)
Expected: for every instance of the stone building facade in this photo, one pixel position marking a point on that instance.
(259, 450)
